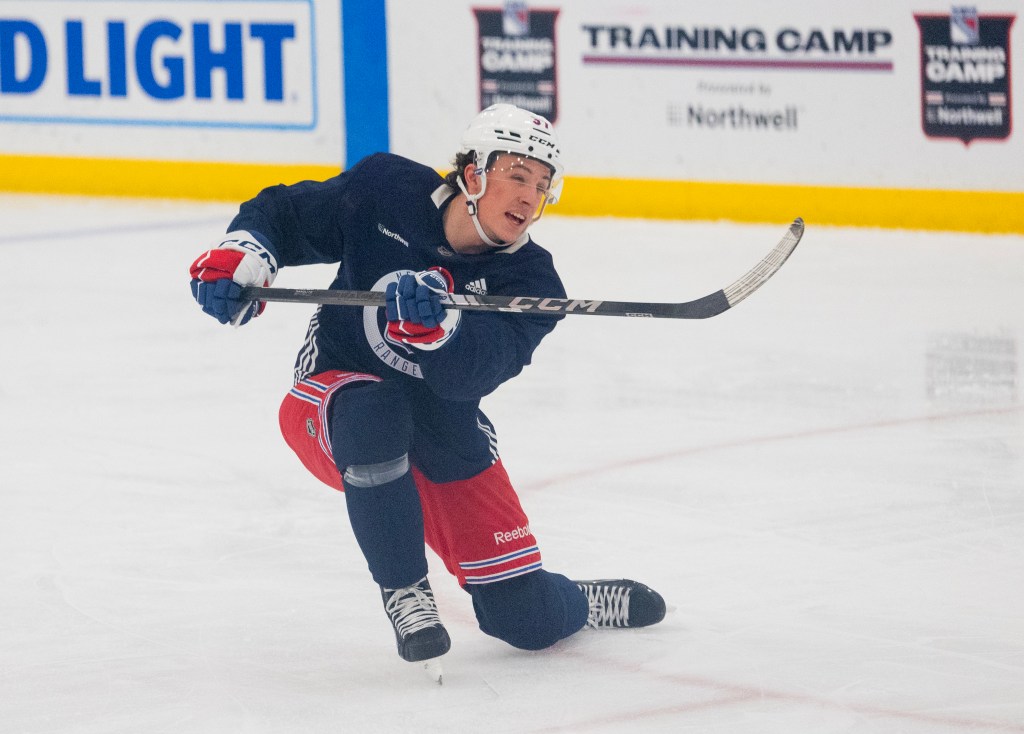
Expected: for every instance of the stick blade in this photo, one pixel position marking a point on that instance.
(767, 267)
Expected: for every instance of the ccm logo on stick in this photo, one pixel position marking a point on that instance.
(525, 303)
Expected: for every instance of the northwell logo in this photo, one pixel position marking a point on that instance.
(393, 235)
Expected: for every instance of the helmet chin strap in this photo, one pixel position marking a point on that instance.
(471, 206)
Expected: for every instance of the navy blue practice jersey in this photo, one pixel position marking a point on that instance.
(380, 218)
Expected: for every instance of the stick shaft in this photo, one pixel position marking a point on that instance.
(701, 308)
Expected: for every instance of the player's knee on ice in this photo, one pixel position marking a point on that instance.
(532, 611)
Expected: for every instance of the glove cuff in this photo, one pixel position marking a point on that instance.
(260, 265)
(449, 324)
(437, 279)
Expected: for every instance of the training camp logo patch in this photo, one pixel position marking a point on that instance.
(517, 57)
(965, 75)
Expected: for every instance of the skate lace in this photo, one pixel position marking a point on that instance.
(609, 606)
(412, 609)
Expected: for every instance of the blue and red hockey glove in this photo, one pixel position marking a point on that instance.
(218, 276)
(415, 313)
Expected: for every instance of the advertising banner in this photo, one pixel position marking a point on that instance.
(882, 111)
(518, 58)
(794, 93)
(186, 79)
(965, 75)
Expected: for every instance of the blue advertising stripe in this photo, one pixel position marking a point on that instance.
(365, 61)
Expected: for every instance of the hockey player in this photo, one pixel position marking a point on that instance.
(385, 403)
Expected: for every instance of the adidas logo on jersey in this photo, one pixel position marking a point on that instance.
(477, 286)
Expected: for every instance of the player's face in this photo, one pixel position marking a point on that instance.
(517, 190)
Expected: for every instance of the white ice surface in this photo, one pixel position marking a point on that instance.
(826, 483)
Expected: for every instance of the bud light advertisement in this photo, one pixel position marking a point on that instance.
(237, 63)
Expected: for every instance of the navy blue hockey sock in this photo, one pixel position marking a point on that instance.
(532, 611)
(371, 428)
(388, 524)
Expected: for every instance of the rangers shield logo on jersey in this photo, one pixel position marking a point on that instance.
(396, 356)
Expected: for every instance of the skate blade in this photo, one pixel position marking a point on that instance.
(433, 670)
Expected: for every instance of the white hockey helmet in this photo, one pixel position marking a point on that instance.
(505, 128)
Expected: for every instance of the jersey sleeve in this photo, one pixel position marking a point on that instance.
(303, 222)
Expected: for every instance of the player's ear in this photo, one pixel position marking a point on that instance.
(471, 174)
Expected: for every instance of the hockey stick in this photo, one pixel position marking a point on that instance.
(702, 308)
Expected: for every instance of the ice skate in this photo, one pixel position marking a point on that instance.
(622, 603)
(418, 630)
